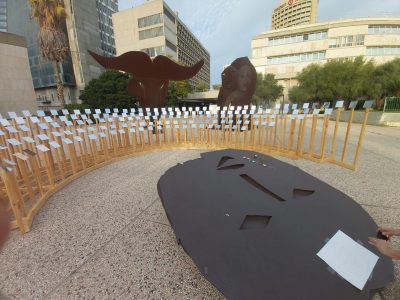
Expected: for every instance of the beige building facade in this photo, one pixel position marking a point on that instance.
(286, 52)
(156, 29)
(16, 87)
(291, 13)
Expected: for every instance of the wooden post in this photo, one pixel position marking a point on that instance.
(333, 147)
(21, 161)
(324, 136)
(361, 138)
(17, 203)
(346, 140)
(312, 135)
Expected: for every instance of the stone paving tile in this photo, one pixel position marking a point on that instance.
(78, 220)
(142, 262)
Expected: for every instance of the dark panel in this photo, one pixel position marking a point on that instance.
(254, 232)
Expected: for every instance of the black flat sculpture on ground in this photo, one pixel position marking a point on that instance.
(150, 76)
(253, 226)
(238, 83)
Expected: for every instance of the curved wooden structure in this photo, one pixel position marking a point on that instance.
(41, 154)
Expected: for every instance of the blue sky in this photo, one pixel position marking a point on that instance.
(225, 27)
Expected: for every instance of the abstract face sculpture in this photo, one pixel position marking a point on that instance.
(238, 83)
(150, 77)
(253, 226)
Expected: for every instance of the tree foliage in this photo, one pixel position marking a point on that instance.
(356, 79)
(109, 90)
(177, 90)
(267, 89)
(201, 87)
(53, 43)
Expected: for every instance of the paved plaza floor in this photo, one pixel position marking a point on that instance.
(106, 235)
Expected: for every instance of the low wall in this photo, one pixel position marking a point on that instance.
(377, 118)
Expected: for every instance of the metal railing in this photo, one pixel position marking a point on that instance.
(392, 104)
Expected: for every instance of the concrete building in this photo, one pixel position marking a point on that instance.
(3, 15)
(16, 87)
(286, 52)
(105, 9)
(294, 12)
(88, 27)
(156, 29)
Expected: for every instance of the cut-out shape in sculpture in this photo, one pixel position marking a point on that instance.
(260, 187)
(223, 160)
(238, 83)
(150, 77)
(255, 222)
(251, 246)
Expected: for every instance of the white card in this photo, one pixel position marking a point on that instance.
(67, 141)
(14, 142)
(28, 139)
(43, 137)
(11, 129)
(349, 259)
(43, 126)
(4, 122)
(339, 104)
(19, 120)
(42, 148)
(54, 144)
(26, 113)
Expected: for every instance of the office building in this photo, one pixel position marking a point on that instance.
(3, 15)
(294, 12)
(16, 87)
(105, 9)
(286, 52)
(88, 26)
(156, 29)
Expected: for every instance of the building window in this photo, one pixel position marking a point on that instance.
(170, 45)
(377, 51)
(347, 41)
(149, 20)
(290, 39)
(379, 29)
(169, 15)
(301, 57)
(154, 51)
(151, 33)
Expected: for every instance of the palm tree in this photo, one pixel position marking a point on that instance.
(53, 44)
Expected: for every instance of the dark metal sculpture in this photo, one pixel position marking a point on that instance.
(150, 77)
(238, 83)
(253, 226)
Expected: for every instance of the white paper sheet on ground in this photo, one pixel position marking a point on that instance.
(349, 259)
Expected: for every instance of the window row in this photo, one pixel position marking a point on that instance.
(297, 38)
(347, 41)
(152, 52)
(311, 56)
(151, 33)
(383, 51)
(373, 29)
(149, 20)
